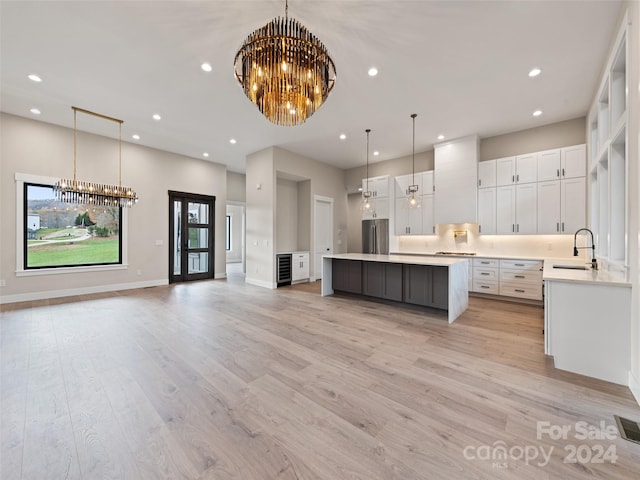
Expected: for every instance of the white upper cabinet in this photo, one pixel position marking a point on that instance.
(428, 225)
(487, 211)
(456, 181)
(505, 171)
(518, 169)
(527, 168)
(567, 162)
(378, 186)
(427, 182)
(526, 208)
(549, 165)
(573, 162)
(549, 207)
(505, 210)
(487, 174)
(403, 181)
(573, 203)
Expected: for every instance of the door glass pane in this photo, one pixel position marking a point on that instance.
(198, 212)
(198, 237)
(198, 262)
(177, 236)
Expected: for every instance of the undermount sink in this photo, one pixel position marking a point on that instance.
(572, 267)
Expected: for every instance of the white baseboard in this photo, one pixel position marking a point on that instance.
(260, 283)
(220, 275)
(634, 386)
(27, 297)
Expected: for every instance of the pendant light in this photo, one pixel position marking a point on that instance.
(366, 195)
(413, 199)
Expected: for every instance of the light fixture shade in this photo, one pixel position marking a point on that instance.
(414, 199)
(90, 193)
(285, 71)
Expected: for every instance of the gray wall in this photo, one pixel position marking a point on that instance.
(37, 148)
(546, 137)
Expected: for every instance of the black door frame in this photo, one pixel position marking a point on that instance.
(185, 198)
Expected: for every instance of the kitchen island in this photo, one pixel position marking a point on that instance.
(434, 282)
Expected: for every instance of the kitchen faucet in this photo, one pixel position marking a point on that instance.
(594, 263)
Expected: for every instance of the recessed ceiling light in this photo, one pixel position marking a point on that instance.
(440, 137)
(373, 71)
(135, 136)
(157, 116)
(232, 141)
(376, 153)
(537, 113)
(205, 155)
(35, 78)
(35, 111)
(206, 67)
(342, 136)
(534, 72)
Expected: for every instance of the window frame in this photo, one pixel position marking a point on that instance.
(21, 212)
(228, 234)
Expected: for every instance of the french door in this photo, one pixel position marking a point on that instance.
(191, 234)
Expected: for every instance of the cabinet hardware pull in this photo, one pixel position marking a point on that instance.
(563, 226)
(557, 226)
(519, 276)
(519, 264)
(518, 290)
(484, 273)
(518, 178)
(484, 286)
(518, 228)
(513, 227)
(513, 179)
(558, 173)
(484, 263)
(479, 228)
(563, 172)
(480, 182)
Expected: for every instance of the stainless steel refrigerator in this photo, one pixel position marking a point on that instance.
(375, 236)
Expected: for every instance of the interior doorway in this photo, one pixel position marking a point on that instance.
(323, 232)
(235, 238)
(191, 236)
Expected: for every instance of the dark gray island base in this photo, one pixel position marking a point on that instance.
(430, 282)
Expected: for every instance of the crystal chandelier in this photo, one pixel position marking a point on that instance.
(413, 199)
(366, 195)
(89, 193)
(285, 71)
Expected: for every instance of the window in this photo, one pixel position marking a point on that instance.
(228, 233)
(58, 234)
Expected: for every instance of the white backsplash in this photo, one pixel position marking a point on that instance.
(560, 246)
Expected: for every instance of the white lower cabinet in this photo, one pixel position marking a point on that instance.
(485, 275)
(511, 278)
(521, 278)
(299, 266)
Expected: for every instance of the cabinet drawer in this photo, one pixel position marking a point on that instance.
(486, 262)
(521, 276)
(531, 265)
(485, 286)
(533, 292)
(485, 273)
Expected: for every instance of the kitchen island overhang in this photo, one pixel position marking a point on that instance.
(435, 282)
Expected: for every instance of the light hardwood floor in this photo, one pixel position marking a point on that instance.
(222, 380)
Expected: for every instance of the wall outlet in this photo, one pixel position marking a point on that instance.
(3, 282)
(549, 246)
(139, 272)
(159, 242)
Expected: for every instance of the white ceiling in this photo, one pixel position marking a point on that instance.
(460, 65)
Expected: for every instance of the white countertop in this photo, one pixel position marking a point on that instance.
(590, 276)
(439, 260)
(477, 255)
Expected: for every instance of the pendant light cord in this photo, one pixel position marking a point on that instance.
(368, 130)
(413, 153)
(286, 9)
